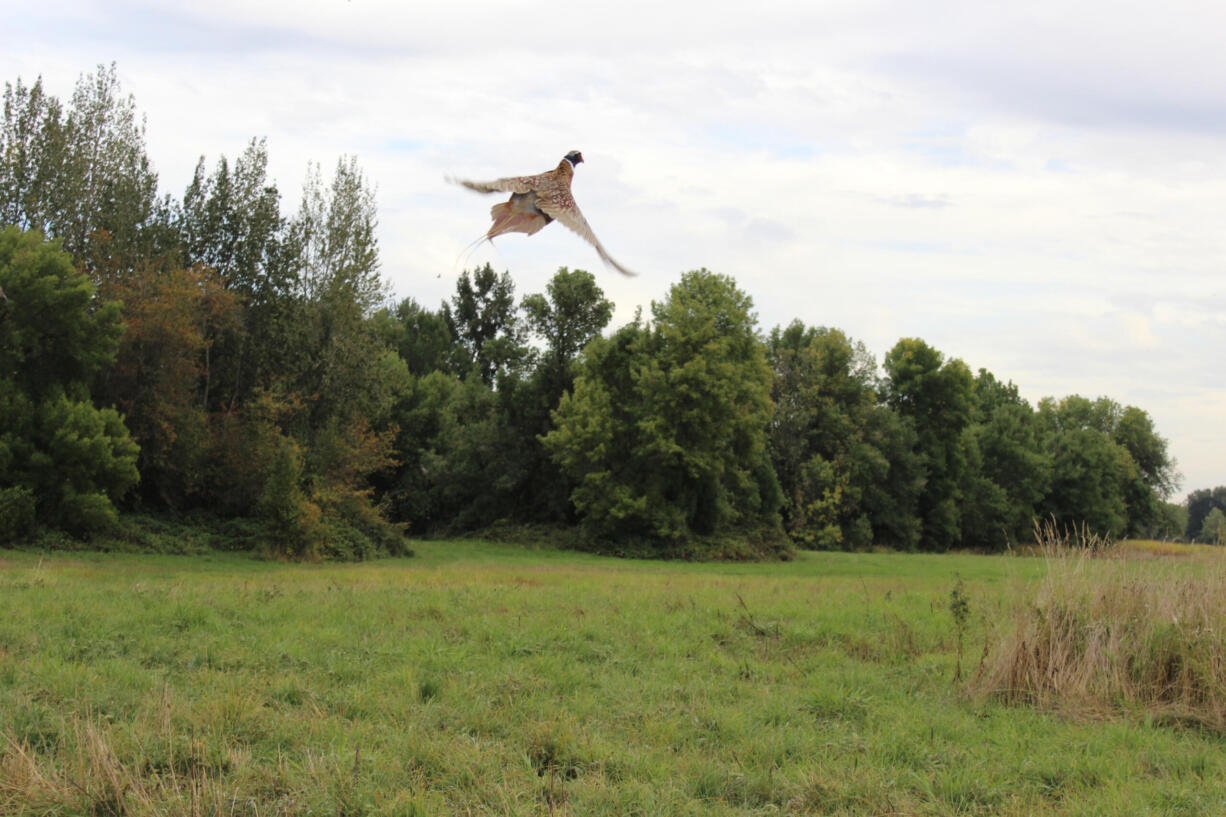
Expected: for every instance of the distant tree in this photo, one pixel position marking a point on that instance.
(894, 483)
(665, 430)
(821, 445)
(1214, 529)
(480, 464)
(1171, 523)
(410, 488)
(1110, 469)
(70, 460)
(1007, 469)
(935, 395)
(81, 174)
(1089, 471)
(572, 311)
(230, 221)
(419, 336)
(335, 243)
(1200, 504)
(160, 375)
(482, 320)
(338, 358)
(32, 148)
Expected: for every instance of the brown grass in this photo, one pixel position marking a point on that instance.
(92, 780)
(1105, 634)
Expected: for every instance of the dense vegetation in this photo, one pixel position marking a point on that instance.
(213, 359)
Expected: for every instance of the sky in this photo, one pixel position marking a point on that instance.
(1037, 189)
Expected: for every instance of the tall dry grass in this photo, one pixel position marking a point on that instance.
(1105, 634)
(91, 779)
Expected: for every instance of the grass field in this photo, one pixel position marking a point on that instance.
(480, 679)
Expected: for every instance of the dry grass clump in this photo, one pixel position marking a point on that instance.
(1105, 634)
(89, 778)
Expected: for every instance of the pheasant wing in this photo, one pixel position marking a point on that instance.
(562, 208)
(510, 184)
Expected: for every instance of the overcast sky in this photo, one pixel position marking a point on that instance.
(1039, 190)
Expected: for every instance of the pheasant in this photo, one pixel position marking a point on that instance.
(537, 200)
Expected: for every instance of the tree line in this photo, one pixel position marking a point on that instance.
(210, 355)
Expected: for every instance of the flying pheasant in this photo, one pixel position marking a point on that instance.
(537, 200)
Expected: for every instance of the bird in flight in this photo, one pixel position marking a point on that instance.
(537, 200)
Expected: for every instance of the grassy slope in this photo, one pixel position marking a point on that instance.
(484, 679)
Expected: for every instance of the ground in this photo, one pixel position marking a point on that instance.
(504, 680)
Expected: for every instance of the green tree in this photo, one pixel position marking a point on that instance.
(230, 221)
(419, 336)
(1214, 529)
(1110, 468)
(410, 488)
(72, 459)
(665, 431)
(32, 147)
(1200, 504)
(894, 480)
(572, 311)
(935, 395)
(81, 174)
(820, 439)
(1007, 469)
(334, 239)
(1171, 523)
(1089, 471)
(483, 322)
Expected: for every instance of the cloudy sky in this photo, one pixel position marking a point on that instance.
(1038, 190)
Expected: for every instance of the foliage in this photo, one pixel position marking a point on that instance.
(482, 320)
(1214, 530)
(419, 336)
(822, 448)
(247, 362)
(79, 172)
(16, 514)
(291, 519)
(1200, 504)
(935, 395)
(74, 459)
(1008, 471)
(1110, 469)
(665, 431)
(161, 374)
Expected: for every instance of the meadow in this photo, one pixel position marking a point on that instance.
(488, 679)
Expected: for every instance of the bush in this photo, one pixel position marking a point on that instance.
(16, 514)
(291, 520)
(1100, 636)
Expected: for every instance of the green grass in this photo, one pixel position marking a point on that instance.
(489, 679)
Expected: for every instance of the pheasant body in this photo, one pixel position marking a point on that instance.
(536, 201)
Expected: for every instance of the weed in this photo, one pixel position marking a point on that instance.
(960, 609)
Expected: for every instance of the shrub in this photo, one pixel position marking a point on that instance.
(1100, 636)
(16, 514)
(291, 520)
